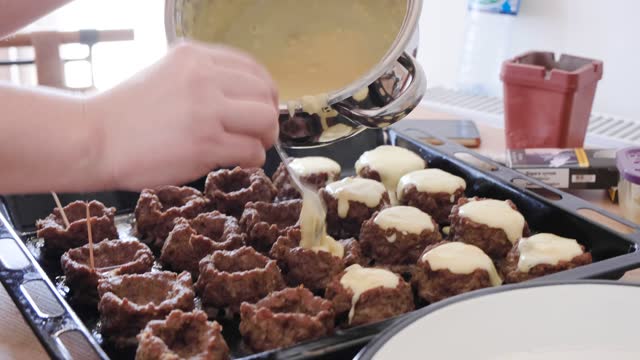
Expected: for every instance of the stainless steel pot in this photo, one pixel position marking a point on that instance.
(395, 86)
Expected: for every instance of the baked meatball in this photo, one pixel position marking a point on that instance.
(387, 164)
(315, 171)
(368, 295)
(129, 302)
(265, 222)
(182, 336)
(314, 268)
(451, 268)
(350, 202)
(192, 240)
(353, 253)
(230, 190)
(158, 208)
(285, 318)
(541, 255)
(58, 237)
(227, 278)
(111, 258)
(398, 235)
(491, 225)
(431, 190)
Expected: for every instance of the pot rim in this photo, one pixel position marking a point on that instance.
(409, 26)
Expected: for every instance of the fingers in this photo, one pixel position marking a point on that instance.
(240, 96)
(231, 58)
(252, 68)
(254, 119)
(240, 85)
(239, 150)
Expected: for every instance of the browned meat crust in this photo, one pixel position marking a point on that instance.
(227, 278)
(343, 228)
(129, 302)
(57, 237)
(111, 258)
(306, 267)
(406, 270)
(182, 336)
(285, 187)
(437, 285)
(438, 205)
(369, 173)
(265, 222)
(511, 274)
(493, 242)
(373, 305)
(285, 318)
(192, 240)
(157, 208)
(353, 253)
(405, 249)
(230, 190)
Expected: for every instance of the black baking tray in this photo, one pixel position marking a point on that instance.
(22, 263)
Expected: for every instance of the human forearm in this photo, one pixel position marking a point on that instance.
(16, 14)
(197, 109)
(46, 144)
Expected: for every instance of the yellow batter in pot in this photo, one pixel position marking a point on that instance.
(311, 47)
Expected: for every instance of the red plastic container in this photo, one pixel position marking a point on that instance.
(548, 102)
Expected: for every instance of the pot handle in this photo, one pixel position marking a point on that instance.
(396, 109)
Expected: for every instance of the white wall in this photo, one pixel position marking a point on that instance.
(605, 30)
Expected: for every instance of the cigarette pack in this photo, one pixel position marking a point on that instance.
(567, 168)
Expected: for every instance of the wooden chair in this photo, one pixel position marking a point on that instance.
(46, 45)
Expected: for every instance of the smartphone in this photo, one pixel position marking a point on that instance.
(463, 132)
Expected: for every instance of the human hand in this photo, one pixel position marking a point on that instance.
(198, 108)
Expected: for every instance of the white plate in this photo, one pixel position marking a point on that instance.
(582, 320)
